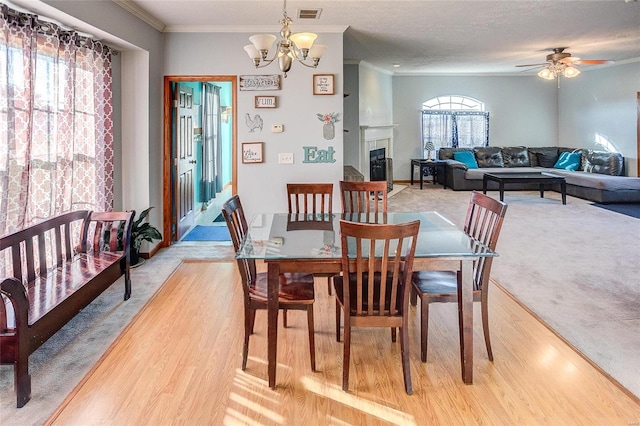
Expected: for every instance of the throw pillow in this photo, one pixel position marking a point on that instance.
(568, 161)
(467, 158)
(515, 156)
(547, 158)
(489, 156)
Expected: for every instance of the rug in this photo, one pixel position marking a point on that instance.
(396, 189)
(58, 365)
(573, 266)
(632, 210)
(208, 233)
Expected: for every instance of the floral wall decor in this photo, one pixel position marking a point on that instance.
(328, 130)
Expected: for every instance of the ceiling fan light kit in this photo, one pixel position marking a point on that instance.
(299, 47)
(561, 63)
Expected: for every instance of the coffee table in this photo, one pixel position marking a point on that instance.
(541, 178)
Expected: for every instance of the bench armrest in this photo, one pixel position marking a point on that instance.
(13, 289)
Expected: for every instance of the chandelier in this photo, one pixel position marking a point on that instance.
(291, 47)
(555, 69)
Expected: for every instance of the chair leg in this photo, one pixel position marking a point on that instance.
(393, 334)
(406, 367)
(252, 321)
(338, 309)
(424, 328)
(346, 358)
(284, 318)
(329, 286)
(249, 317)
(312, 340)
(484, 307)
(413, 298)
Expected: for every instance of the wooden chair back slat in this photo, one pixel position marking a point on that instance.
(363, 197)
(483, 222)
(233, 214)
(384, 274)
(310, 198)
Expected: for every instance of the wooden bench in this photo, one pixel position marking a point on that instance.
(50, 279)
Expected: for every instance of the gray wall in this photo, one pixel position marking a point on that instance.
(351, 116)
(523, 111)
(127, 33)
(600, 106)
(262, 187)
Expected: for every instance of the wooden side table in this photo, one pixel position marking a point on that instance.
(435, 167)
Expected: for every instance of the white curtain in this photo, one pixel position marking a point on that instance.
(448, 129)
(211, 180)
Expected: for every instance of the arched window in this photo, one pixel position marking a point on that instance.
(453, 102)
(453, 121)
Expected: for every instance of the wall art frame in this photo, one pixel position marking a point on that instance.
(252, 152)
(259, 82)
(266, 102)
(323, 84)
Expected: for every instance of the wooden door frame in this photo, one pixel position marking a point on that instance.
(167, 135)
(638, 136)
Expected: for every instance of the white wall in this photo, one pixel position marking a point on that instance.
(262, 187)
(600, 104)
(523, 111)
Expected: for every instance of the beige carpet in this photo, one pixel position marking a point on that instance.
(575, 266)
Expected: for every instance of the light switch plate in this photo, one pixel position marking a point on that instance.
(277, 128)
(285, 158)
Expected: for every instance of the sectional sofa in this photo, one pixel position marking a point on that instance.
(599, 176)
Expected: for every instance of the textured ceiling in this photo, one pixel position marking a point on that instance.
(435, 37)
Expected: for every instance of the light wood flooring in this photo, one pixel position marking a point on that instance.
(179, 363)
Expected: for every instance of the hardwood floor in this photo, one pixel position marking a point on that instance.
(179, 363)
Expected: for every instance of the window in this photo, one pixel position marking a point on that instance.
(454, 121)
(56, 127)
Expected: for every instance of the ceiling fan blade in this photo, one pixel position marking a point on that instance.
(592, 62)
(532, 65)
(534, 68)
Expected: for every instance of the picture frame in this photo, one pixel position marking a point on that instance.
(323, 84)
(259, 82)
(252, 152)
(266, 102)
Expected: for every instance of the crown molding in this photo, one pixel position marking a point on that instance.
(135, 10)
(339, 29)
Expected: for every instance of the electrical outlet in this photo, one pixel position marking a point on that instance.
(285, 158)
(277, 128)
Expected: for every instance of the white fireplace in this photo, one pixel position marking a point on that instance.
(374, 137)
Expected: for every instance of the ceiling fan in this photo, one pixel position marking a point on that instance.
(561, 62)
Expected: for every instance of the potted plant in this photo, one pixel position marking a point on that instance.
(142, 231)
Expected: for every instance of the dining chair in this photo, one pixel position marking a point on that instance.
(363, 197)
(311, 199)
(373, 290)
(483, 223)
(295, 292)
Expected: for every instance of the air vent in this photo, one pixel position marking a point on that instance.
(309, 13)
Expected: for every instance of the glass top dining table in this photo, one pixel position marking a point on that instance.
(311, 243)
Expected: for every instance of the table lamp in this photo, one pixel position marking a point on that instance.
(428, 146)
